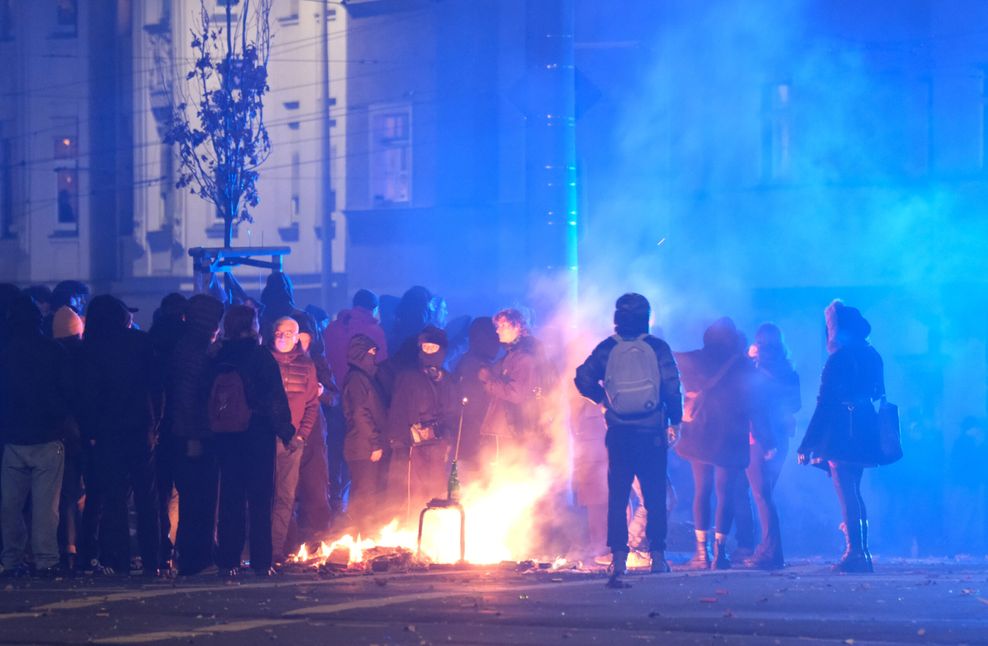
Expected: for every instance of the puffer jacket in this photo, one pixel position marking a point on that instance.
(298, 375)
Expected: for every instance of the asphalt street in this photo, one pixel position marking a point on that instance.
(905, 602)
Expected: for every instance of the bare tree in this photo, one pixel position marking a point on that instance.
(219, 126)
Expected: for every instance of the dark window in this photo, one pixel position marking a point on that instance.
(391, 156)
(66, 17)
(67, 185)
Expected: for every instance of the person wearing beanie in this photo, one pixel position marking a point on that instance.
(362, 318)
(421, 427)
(34, 412)
(842, 436)
(721, 388)
(247, 459)
(634, 376)
(365, 443)
(185, 439)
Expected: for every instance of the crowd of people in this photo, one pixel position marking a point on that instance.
(261, 425)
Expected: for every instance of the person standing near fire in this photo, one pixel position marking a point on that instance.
(634, 376)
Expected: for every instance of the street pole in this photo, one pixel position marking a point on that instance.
(327, 196)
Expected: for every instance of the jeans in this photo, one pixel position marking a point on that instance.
(633, 453)
(762, 476)
(286, 471)
(33, 470)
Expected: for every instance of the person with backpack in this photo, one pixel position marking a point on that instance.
(721, 403)
(298, 374)
(247, 409)
(634, 376)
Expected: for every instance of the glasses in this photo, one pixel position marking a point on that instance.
(285, 335)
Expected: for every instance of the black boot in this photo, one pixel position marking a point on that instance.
(853, 559)
(864, 545)
(619, 566)
(721, 562)
(700, 560)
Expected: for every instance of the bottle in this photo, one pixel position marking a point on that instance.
(453, 486)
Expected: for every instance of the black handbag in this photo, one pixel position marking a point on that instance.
(889, 435)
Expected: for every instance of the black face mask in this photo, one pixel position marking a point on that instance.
(434, 360)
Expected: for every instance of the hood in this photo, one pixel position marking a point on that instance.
(845, 326)
(203, 314)
(357, 356)
(278, 292)
(722, 339)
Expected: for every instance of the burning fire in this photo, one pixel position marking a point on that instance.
(500, 519)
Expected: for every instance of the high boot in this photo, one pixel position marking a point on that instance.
(721, 562)
(700, 560)
(853, 559)
(864, 545)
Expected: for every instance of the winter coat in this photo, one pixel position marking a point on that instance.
(844, 426)
(337, 335)
(515, 388)
(419, 398)
(298, 375)
(122, 388)
(590, 377)
(270, 412)
(719, 432)
(366, 417)
(35, 383)
(187, 387)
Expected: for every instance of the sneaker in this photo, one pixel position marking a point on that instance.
(228, 573)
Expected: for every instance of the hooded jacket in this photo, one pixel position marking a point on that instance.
(298, 375)
(187, 385)
(363, 403)
(423, 394)
(483, 352)
(337, 336)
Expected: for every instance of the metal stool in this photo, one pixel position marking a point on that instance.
(444, 503)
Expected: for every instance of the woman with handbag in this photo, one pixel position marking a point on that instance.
(843, 435)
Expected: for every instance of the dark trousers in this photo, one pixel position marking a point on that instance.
(632, 453)
(365, 496)
(123, 468)
(762, 476)
(339, 475)
(707, 478)
(246, 462)
(312, 493)
(196, 481)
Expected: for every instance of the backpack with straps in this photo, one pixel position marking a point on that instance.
(228, 410)
(632, 379)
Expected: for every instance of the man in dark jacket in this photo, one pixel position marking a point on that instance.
(186, 437)
(514, 416)
(246, 459)
(167, 327)
(123, 396)
(34, 408)
(366, 421)
(421, 427)
(298, 375)
(636, 439)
